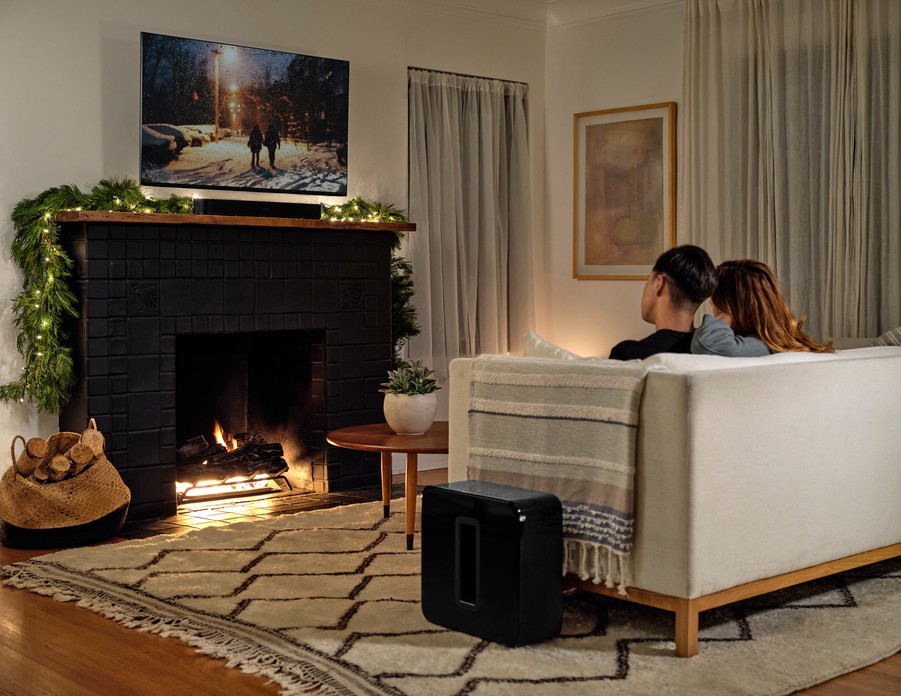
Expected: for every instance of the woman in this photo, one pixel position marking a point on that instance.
(750, 316)
(255, 143)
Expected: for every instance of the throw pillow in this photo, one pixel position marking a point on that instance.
(534, 346)
(889, 338)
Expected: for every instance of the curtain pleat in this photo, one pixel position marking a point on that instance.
(792, 150)
(470, 196)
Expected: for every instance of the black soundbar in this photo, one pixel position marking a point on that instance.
(225, 206)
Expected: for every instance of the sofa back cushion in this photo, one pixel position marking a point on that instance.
(686, 362)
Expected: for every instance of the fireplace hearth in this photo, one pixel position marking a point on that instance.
(271, 326)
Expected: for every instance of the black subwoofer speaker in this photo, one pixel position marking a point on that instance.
(492, 560)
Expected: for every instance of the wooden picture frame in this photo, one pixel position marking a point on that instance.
(624, 190)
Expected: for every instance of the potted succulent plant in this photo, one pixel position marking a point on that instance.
(410, 399)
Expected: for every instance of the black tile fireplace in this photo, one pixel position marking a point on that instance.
(278, 326)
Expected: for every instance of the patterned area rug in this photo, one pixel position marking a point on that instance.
(327, 602)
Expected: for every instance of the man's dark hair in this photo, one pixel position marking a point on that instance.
(691, 271)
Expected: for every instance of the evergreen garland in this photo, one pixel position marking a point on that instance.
(358, 210)
(404, 323)
(46, 300)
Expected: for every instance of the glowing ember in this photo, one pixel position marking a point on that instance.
(236, 485)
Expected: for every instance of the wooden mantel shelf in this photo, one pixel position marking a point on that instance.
(226, 220)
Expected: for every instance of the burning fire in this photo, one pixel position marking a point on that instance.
(223, 438)
(235, 485)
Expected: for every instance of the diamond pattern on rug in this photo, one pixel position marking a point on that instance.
(334, 592)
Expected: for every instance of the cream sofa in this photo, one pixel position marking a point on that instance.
(752, 474)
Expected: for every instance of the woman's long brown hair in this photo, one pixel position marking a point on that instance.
(750, 293)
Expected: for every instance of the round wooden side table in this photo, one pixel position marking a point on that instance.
(378, 437)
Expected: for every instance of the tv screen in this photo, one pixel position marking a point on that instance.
(221, 116)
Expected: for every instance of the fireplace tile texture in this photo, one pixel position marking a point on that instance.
(140, 285)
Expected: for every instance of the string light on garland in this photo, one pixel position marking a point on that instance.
(46, 300)
(358, 210)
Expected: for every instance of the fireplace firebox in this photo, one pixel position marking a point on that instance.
(243, 408)
(276, 327)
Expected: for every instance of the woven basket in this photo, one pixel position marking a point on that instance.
(79, 510)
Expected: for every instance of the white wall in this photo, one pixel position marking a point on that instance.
(69, 109)
(69, 93)
(627, 57)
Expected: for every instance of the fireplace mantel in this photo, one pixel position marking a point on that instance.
(227, 221)
(146, 281)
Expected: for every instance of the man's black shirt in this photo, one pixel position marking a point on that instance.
(662, 341)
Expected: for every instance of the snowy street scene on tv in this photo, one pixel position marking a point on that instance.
(220, 116)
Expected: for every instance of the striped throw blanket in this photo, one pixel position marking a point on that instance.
(569, 428)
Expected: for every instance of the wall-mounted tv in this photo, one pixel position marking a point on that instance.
(221, 116)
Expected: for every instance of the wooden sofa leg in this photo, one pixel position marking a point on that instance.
(686, 628)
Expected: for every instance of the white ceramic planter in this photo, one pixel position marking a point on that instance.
(410, 414)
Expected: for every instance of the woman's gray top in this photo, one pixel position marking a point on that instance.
(715, 337)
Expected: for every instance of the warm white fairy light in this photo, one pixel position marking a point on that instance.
(49, 383)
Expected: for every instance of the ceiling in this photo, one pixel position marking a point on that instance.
(538, 14)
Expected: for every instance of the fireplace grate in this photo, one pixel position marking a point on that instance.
(231, 488)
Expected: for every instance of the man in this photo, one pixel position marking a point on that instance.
(272, 143)
(682, 278)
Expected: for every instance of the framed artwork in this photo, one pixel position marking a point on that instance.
(624, 190)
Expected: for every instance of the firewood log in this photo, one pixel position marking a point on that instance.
(31, 456)
(36, 447)
(81, 456)
(201, 456)
(59, 467)
(93, 438)
(190, 448)
(217, 463)
(252, 437)
(40, 474)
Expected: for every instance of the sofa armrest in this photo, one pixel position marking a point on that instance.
(458, 419)
(782, 467)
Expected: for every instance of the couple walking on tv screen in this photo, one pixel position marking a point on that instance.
(257, 140)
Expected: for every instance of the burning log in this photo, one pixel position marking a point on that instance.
(253, 456)
(196, 446)
(199, 456)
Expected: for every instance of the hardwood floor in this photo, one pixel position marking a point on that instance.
(50, 648)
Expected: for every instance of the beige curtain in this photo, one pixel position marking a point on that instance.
(792, 150)
(470, 197)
